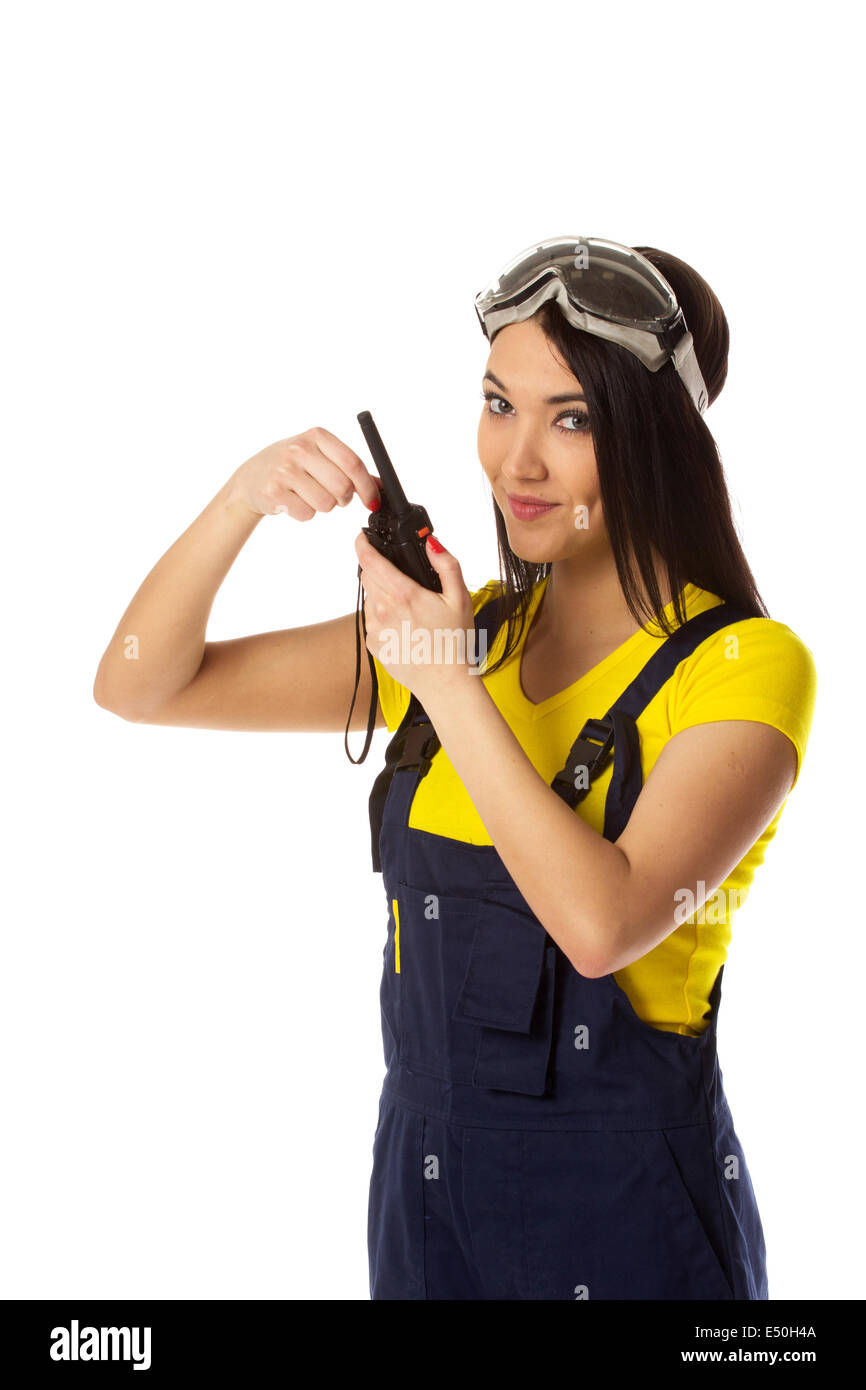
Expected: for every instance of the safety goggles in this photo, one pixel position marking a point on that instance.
(605, 289)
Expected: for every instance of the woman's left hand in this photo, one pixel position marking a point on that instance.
(425, 640)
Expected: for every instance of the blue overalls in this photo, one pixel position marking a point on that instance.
(537, 1139)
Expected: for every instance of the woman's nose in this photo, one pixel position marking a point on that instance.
(523, 461)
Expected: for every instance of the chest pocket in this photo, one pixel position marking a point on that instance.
(476, 986)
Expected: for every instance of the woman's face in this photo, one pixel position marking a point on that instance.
(533, 446)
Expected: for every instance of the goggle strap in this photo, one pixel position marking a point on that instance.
(686, 363)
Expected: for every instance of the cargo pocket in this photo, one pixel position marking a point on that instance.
(508, 992)
(477, 985)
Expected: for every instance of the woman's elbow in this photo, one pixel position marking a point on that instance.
(104, 700)
(591, 967)
(590, 950)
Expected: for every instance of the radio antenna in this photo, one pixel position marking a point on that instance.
(394, 494)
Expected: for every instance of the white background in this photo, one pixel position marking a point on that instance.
(226, 223)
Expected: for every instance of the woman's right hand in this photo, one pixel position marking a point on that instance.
(307, 473)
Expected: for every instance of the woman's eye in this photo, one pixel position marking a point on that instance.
(490, 398)
(580, 416)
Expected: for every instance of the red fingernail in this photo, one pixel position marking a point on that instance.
(375, 504)
(434, 545)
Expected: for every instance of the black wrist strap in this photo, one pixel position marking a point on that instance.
(374, 692)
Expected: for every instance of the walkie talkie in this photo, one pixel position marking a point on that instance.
(399, 531)
(400, 528)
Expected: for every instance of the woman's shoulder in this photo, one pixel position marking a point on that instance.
(754, 668)
(760, 641)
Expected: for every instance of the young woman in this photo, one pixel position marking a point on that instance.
(565, 832)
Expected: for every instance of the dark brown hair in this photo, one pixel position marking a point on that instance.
(660, 474)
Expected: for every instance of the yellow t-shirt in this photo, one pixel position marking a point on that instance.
(772, 681)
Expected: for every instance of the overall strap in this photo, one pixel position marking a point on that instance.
(415, 741)
(616, 734)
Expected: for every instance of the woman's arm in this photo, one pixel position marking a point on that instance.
(158, 668)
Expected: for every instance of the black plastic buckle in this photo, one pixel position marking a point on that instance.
(420, 748)
(591, 750)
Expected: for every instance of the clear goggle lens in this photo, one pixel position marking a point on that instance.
(604, 278)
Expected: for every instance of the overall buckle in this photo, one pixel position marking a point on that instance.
(420, 748)
(591, 750)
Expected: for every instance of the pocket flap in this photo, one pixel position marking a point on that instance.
(504, 971)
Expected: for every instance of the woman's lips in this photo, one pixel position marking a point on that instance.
(528, 511)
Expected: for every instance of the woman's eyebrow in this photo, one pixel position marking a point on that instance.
(551, 400)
